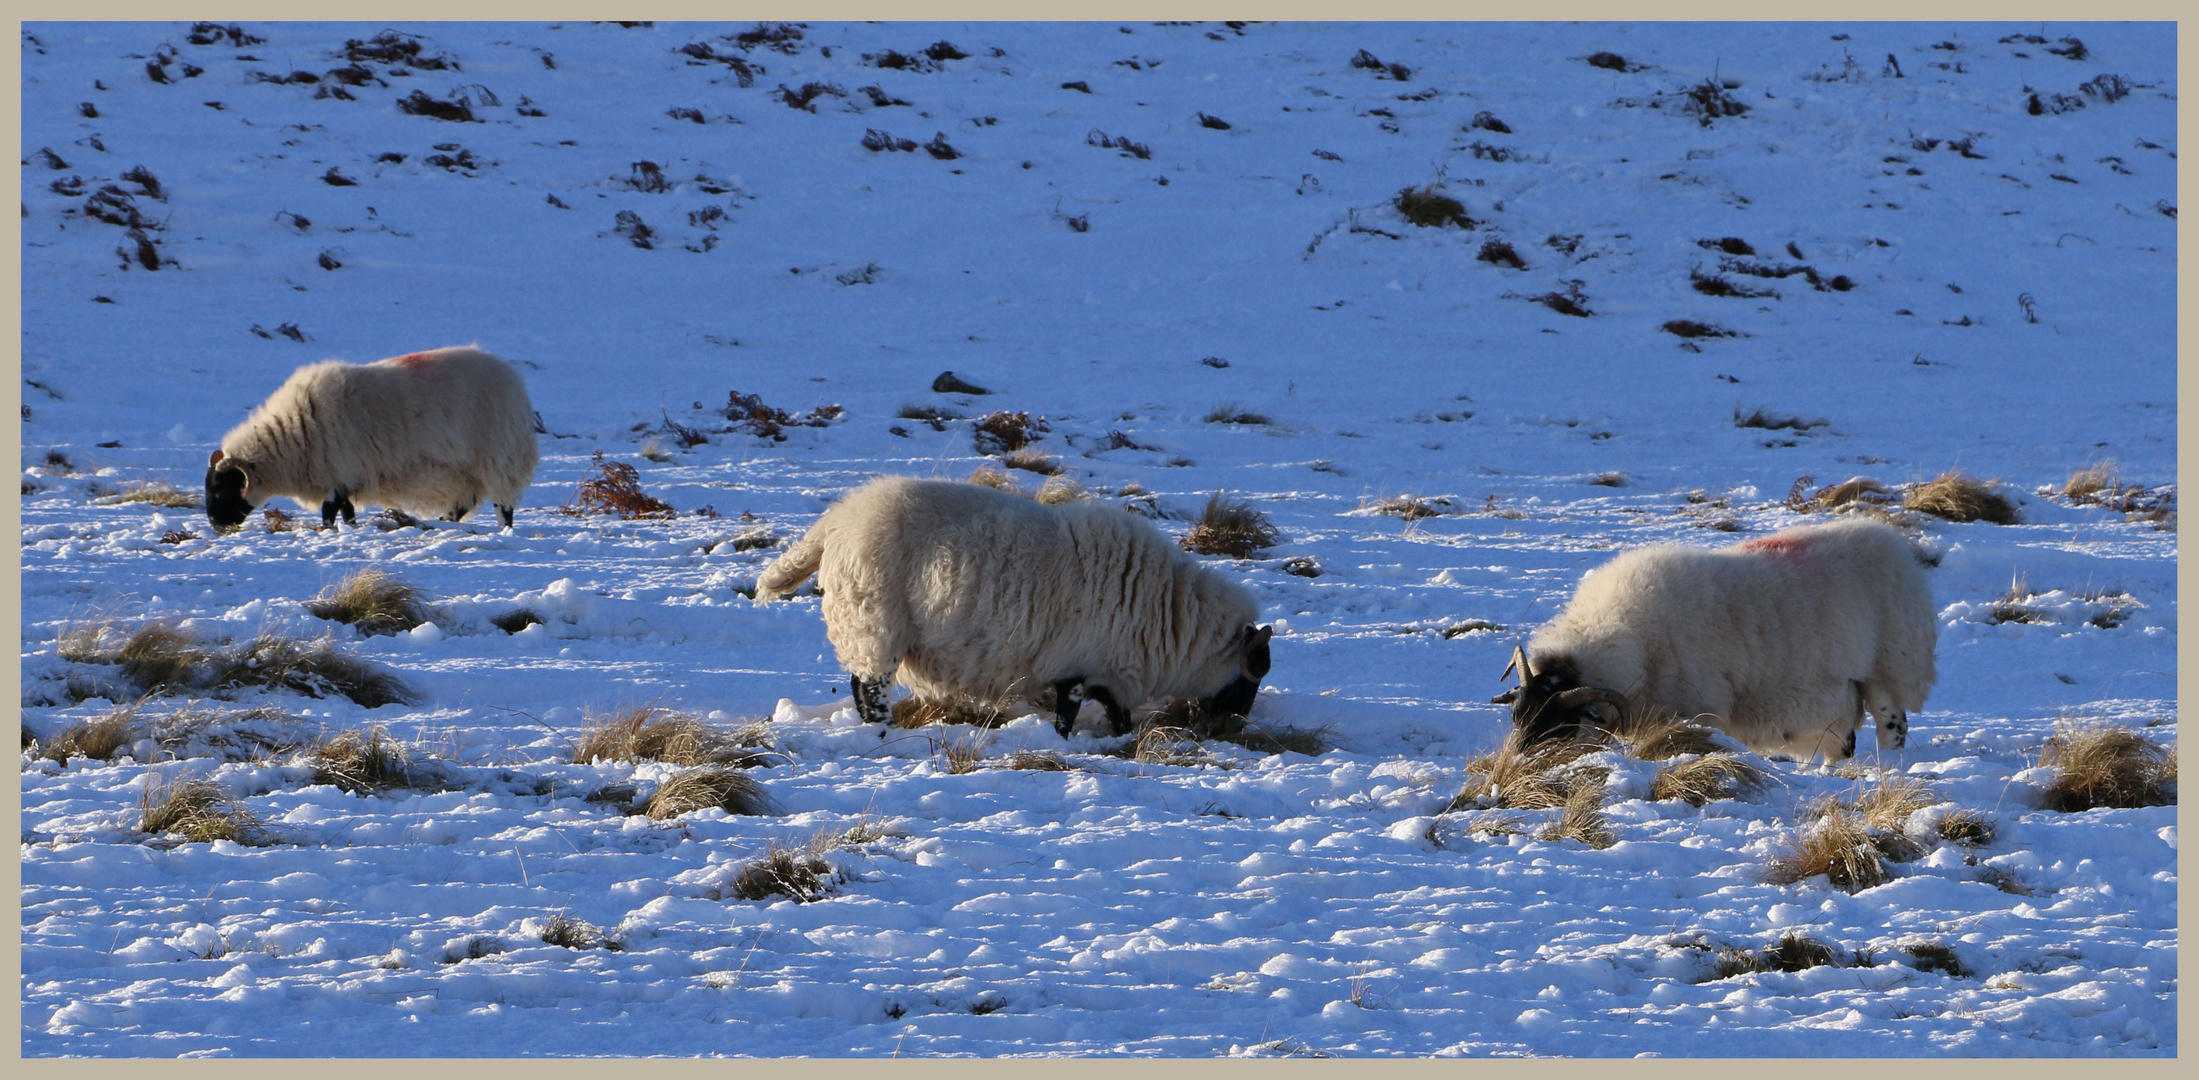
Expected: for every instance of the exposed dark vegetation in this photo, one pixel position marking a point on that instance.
(1573, 301)
(615, 488)
(363, 762)
(2106, 765)
(1501, 253)
(1956, 496)
(1770, 421)
(198, 809)
(748, 411)
(162, 657)
(1370, 62)
(455, 110)
(1430, 208)
(727, 787)
(800, 874)
(1689, 328)
(1230, 412)
(1001, 431)
(1103, 140)
(668, 735)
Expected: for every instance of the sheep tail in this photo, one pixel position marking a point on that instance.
(789, 570)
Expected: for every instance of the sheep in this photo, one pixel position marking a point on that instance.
(954, 588)
(431, 432)
(1783, 642)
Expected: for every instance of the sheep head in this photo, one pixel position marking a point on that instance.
(228, 490)
(1235, 699)
(1550, 702)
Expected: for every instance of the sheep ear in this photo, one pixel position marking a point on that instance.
(215, 460)
(1256, 636)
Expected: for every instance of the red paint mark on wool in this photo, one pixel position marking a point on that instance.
(414, 359)
(1778, 545)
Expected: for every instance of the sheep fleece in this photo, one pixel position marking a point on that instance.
(960, 589)
(427, 433)
(1773, 636)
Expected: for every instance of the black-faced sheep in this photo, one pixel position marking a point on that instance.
(434, 433)
(954, 588)
(1782, 642)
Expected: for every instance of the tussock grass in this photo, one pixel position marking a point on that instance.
(155, 493)
(667, 735)
(196, 808)
(800, 874)
(1610, 480)
(158, 656)
(1412, 508)
(1032, 461)
(1429, 208)
(1661, 735)
(1537, 778)
(256, 733)
(2106, 765)
(1770, 421)
(1970, 828)
(1888, 804)
(372, 599)
(1581, 817)
(700, 788)
(1161, 744)
(362, 762)
(615, 488)
(1058, 490)
(1230, 527)
(1705, 779)
(1955, 496)
(2088, 483)
(1838, 847)
(1282, 739)
(278, 522)
(1495, 823)
(930, 414)
(960, 755)
(1037, 761)
(1935, 956)
(99, 738)
(1798, 952)
(315, 669)
(1230, 412)
(923, 712)
(992, 477)
(567, 932)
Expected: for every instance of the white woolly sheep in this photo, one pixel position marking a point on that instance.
(434, 433)
(954, 588)
(1782, 642)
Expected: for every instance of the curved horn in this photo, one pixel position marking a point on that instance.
(1583, 695)
(1519, 663)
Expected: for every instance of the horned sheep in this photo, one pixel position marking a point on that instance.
(1783, 642)
(958, 589)
(435, 433)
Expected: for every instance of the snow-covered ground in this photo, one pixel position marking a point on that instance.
(1997, 200)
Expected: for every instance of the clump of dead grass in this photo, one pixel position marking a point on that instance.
(1037, 761)
(1032, 461)
(1059, 490)
(723, 786)
(799, 873)
(315, 669)
(1230, 412)
(1887, 804)
(991, 476)
(1429, 208)
(197, 808)
(1659, 735)
(1528, 778)
(1705, 779)
(362, 762)
(372, 599)
(1839, 847)
(567, 932)
(1230, 527)
(647, 733)
(959, 756)
(615, 488)
(1956, 496)
(1412, 508)
(2101, 764)
(99, 738)
(1161, 744)
(155, 493)
(1968, 827)
(1581, 817)
(922, 712)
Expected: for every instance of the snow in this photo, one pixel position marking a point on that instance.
(2011, 314)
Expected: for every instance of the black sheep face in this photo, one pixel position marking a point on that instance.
(1236, 698)
(1536, 715)
(228, 492)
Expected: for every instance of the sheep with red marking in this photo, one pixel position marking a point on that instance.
(435, 433)
(1782, 642)
(958, 589)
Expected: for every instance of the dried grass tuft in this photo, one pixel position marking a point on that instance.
(2106, 765)
(1059, 490)
(567, 932)
(1002, 432)
(1970, 828)
(2086, 484)
(1958, 497)
(800, 874)
(1230, 412)
(723, 786)
(314, 669)
(1581, 818)
(155, 493)
(1888, 804)
(1706, 779)
(373, 600)
(99, 738)
(1411, 508)
(960, 756)
(1658, 736)
(991, 476)
(1038, 761)
(1839, 847)
(1032, 461)
(1429, 208)
(362, 762)
(1161, 744)
(199, 809)
(1282, 739)
(667, 735)
(1232, 528)
(923, 712)
(1536, 778)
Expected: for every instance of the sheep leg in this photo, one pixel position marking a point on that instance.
(458, 513)
(338, 501)
(1117, 716)
(1893, 730)
(504, 514)
(870, 698)
(1066, 704)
